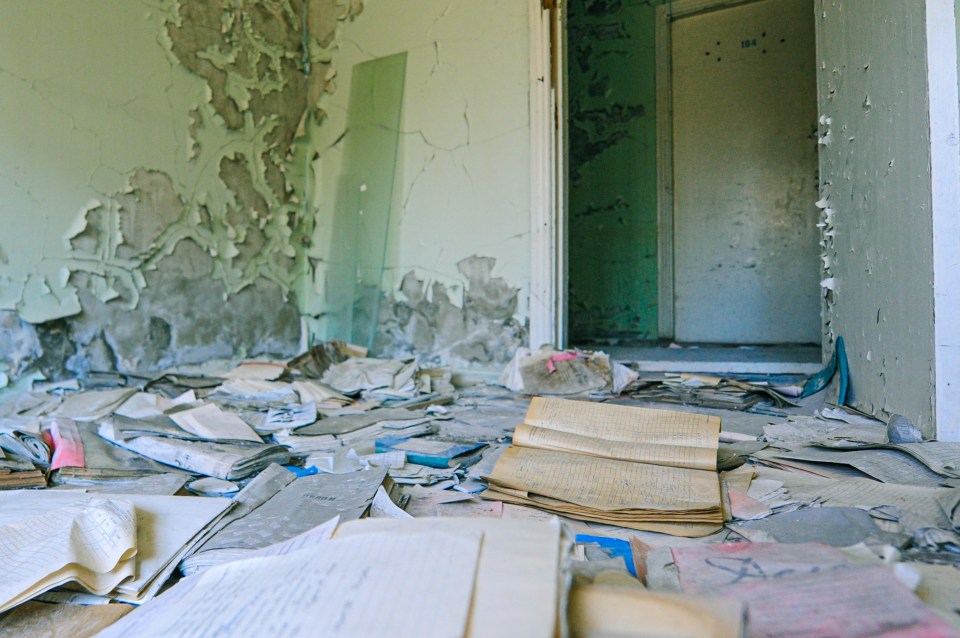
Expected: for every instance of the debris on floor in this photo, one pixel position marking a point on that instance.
(342, 495)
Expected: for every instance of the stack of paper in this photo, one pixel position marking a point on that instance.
(358, 431)
(91, 541)
(166, 528)
(114, 469)
(643, 469)
(227, 461)
(298, 506)
(20, 479)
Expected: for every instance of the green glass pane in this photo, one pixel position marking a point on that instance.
(365, 196)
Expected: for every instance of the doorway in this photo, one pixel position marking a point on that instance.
(700, 225)
(741, 137)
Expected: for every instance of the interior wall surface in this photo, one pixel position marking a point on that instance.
(876, 197)
(456, 276)
(613, 170)
(151, 204)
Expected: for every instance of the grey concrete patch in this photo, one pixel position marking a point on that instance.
(19, 344)
(484, 331)
(184, 317)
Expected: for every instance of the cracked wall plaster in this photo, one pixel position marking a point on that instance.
(613, 173)
(149, 137)
(19, 344)
(138, 137)
(424, 321)
(462, 186)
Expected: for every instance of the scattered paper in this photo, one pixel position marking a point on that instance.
(210, 422)
(337, 588)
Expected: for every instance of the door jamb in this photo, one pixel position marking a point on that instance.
(548, 173)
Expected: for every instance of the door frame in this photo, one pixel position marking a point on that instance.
(548, 173)
(666, 14)
(548, 304)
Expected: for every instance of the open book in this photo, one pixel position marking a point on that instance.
(633, 467)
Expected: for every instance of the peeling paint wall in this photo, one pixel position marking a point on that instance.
(151, 191)
(876, 188)
(169, 169)
(421, 320)
(462, 183)
(613, 174)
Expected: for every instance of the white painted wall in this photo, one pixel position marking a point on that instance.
(942, 69)
(889, 186)
(88, 94)
(463, 186)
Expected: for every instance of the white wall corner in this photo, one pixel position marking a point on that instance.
(942, 71)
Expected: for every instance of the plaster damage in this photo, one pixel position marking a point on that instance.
(876, 202)
(462, 177)
(188, 221)
(182, 175)
(425, 321)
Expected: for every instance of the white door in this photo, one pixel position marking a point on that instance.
(746, 253)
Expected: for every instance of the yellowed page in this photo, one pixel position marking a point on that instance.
(529, 509)
(605, 484)
(597, 612)
(699, 458)
(625, 423)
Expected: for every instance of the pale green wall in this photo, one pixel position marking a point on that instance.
(613, 186)
(462, 185)
(149, 147)
(168, 175)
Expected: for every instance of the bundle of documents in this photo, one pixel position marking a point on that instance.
(160, 530)
(633, 467)
(91, 541)
(358, 431)
(15, 480)
(112, 468)
(227, 461)
(21, 437)
(18, 472)
(711, 392)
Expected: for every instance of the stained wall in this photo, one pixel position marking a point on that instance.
(168, 172)
(613, 169)
(877, 186)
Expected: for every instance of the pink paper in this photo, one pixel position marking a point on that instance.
(63, 437)
(563, 356)
(852, 602)
(704, 568)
